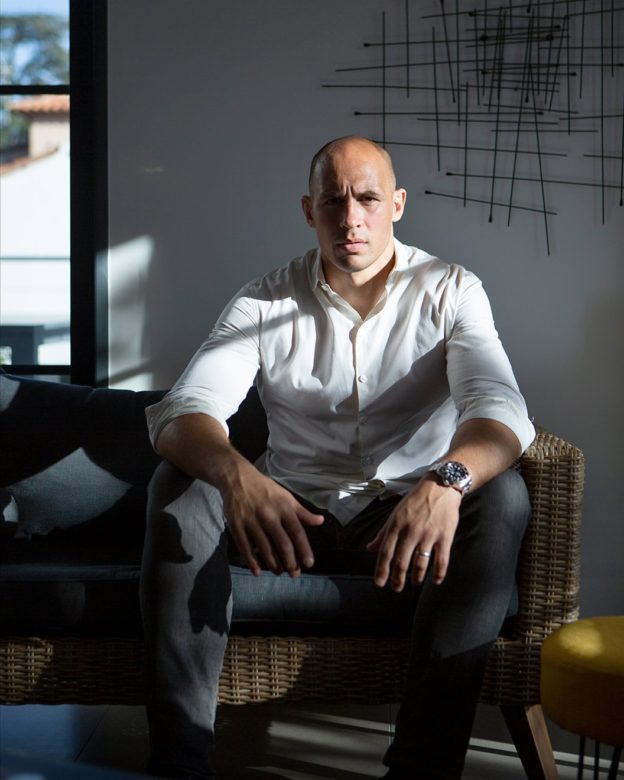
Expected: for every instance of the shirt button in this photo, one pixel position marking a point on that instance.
(363, 420)
(362, 378)
(377, 484)
(367, 460)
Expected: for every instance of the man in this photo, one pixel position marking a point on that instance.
(393, 419)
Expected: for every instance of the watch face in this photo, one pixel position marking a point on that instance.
(454, 474)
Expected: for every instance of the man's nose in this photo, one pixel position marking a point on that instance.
(352, 213)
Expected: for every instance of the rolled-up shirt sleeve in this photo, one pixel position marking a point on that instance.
(220, 373)
(480, 376)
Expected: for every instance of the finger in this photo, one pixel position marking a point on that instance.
(421, 560)
(309, 518)
(281, 547)
(266, 550)
(384, 557)
(246, 550)
(302, 549)
(374, 544)
(400, 564)
(442, 557)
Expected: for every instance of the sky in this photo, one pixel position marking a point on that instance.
(34, 6)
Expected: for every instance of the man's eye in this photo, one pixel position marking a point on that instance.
(332, 201)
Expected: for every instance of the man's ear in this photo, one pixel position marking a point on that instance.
(399, 199)
(306, 205)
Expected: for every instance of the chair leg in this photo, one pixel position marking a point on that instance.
(530, 735)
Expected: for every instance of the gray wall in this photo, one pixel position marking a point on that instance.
(215, 110)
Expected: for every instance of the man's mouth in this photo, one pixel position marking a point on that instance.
(352, 243)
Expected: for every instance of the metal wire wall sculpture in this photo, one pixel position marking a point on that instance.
(495, 91)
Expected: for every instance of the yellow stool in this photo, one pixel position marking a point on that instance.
(582, 683)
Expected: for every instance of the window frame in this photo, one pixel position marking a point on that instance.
(88, 116)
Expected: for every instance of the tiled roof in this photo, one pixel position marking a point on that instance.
(42, 104)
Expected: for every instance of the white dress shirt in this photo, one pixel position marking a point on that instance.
(356, 408)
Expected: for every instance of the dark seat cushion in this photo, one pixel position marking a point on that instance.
(72, 455)
(59, 585)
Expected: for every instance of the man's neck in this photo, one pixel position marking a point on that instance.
(360, 292)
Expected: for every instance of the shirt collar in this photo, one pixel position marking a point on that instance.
(401, 262)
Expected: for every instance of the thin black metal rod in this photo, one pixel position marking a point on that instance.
(517, 37)
(487, 202)
(569, 107)
(495, 155)
(533, 180)
(448, 50)
(466, 148)
(457, 61)
(539, 159)
(476, 37)
(536, 16)
(476, 13)
(596, 759)
(487, 114)
(383, 78)
(495, 71)
(435, 96)
(612, 25)
(621, 165)
(407, 49)
(597, 11)
(602, 110)
(388, 86)
(509, 67)
(582, 49)
(552, 19)
(487, 149)
(482, 122)
(567, 73)
(595, 116)
(559, 130)
(483, 37)
(527, 54)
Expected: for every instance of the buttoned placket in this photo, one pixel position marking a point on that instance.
(363, 373)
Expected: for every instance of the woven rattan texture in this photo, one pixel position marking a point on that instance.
(94, 671)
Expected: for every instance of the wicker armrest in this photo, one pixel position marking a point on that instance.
(549, 566)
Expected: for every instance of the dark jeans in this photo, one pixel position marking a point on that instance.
(187, 604)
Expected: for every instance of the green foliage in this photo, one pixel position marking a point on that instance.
(32, 49)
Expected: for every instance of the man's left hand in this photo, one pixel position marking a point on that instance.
(424, 521)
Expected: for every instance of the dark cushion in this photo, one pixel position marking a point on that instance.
(72, 454)
(59, 585)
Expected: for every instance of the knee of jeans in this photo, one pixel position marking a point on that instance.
(174, 493)
(508, 497)
(167, 484)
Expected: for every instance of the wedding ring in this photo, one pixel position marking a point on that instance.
(423, 554)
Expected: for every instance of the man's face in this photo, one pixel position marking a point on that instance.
(352, 205)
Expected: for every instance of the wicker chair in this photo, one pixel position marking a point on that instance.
(261, 668)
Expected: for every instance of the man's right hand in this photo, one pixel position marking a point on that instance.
(267, 522)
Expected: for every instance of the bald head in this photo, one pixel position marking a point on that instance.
(338, 146)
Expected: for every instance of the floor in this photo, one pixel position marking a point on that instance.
(256, 742)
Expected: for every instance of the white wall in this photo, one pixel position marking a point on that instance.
(215, 110)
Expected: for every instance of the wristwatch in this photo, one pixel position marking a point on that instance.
(453, 474)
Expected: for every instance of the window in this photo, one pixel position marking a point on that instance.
(52, 79)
